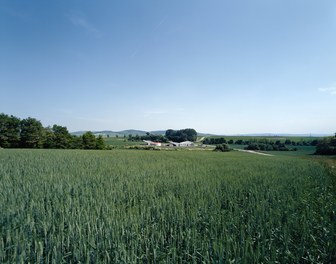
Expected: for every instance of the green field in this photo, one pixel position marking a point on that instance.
(121, 142)
(301, 151)
(124, 206)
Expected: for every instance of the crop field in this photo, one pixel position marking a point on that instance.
(127, 206)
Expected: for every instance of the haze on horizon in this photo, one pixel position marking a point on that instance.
(218, 66)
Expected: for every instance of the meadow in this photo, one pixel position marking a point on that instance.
(121, 142)
(137, 206)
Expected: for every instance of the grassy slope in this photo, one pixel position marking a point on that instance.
(126, 206)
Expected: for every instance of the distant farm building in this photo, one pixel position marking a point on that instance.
(152, 143)
(187, 144)
(171, 144)
(181, 144)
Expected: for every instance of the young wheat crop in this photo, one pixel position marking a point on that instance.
(126, 206)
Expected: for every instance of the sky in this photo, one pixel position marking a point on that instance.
(218, 66)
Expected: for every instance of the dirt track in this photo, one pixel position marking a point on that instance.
(254, 152)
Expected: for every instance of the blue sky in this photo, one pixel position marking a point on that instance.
(222, 67)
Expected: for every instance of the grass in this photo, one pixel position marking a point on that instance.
(123, 206)
(301, 151)
(121, 142)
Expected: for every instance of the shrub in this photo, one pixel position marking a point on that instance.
(222, 148)
(326, 147)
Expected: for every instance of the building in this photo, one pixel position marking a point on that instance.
(181, 144)
(173, 144)
(187, 144)
(152, 143)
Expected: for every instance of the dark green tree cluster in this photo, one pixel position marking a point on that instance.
(29, 133)
(327, 146)
(173, 135)
(181, 135)
(214, 141)
(148, 136)
(269, 147)
(10, 129)
(301, 142)
(287, 142)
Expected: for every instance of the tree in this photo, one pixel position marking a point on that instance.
(76, 142)
(29, 133)
(222, 148)
(89, 140)
(49, 138)
(267, 147)
(215, 141)
(327, 146)
(100, 143)
(191, 134)
(62, 137)
(253, 146)
(9, 131)
(239, 142)
(314, 142)
(32, 133)
(181, 135)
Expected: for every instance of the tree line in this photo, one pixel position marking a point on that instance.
(181, 135)
(325, 146)
(269, 147)
(30, 133)
(148, 136)
(288, 142)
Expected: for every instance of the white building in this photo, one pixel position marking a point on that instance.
(187, 144)
(182, 144)
(152, 143)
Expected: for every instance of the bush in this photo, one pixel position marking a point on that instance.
(326, 147)
(222, 148)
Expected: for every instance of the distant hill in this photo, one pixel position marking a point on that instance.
(127, 132)
(281, 135)
(110, 133)
(205, 135)
(134, 132)
(121, 133)
(158, 132)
